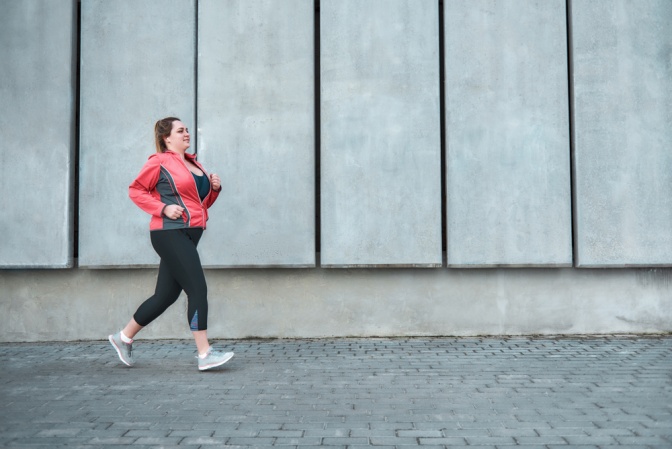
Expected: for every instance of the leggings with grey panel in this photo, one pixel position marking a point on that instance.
(180, 269)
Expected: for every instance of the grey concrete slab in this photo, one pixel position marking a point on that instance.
(622, 79)
(508, 177)
(256, 127)
(37, 123)
(137, 66)
(401, 392)
(380, 133)
(294, 303)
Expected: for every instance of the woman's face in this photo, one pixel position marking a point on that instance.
(179, 137)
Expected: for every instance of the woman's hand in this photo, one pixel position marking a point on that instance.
(173, 211)
(215, 182)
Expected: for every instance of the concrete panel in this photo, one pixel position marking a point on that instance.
(137, 66)
(507, 134)
(380, 136)
(256, 128)
(37, 122)
(622, 73)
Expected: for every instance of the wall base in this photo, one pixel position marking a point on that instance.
(79, 304)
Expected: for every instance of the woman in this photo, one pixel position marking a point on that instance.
(176, 191)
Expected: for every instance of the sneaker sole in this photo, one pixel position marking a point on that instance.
(116, 348)
(215, 365)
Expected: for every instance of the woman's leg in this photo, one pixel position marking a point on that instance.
(178, 251)
(165, 294)
(201, 339)
(131, 329)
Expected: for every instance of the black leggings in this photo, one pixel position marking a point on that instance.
(180, 269)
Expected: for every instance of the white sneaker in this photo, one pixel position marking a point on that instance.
(213, 359)
(124, 350)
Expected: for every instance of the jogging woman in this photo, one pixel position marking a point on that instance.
(176, 191)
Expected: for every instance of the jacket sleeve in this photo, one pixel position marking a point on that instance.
(140, 190)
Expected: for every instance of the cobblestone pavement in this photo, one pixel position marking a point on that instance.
(541, 392)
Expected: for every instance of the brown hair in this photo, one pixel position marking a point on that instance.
(162, 130)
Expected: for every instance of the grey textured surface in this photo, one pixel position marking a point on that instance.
(507, 134)
(291, 303)
(490, 393)
(623, 110)
(137, 66)
(256, 128)
(380, 155)
(37, 123)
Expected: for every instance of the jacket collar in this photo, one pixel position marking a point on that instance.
(190, 156)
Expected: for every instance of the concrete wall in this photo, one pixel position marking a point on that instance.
(89, 304)
(37, 117)
(256, 126)
(242, 74)
(507, 134)
(622, 113)
(380, 117)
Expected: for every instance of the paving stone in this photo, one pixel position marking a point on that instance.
(205, 441)
(579, 392)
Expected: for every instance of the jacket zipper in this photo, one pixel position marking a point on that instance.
(196, 187)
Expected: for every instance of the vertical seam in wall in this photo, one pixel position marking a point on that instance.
(195, 127)
(76, 45)
(442, 128)
(572, 143)
(316, 95)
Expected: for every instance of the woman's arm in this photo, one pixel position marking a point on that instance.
(140, 189)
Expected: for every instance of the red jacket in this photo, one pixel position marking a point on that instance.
(165, 179)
